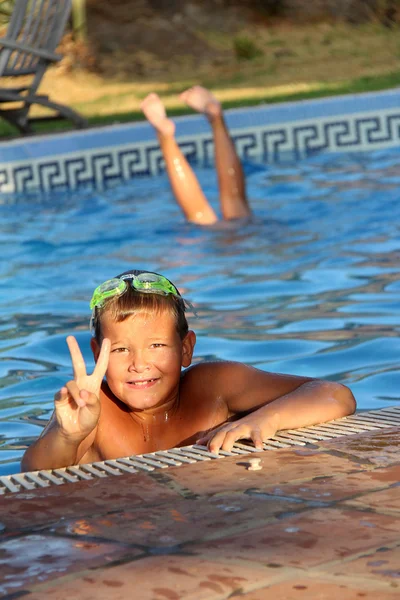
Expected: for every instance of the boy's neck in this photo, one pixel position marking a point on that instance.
(156, 415)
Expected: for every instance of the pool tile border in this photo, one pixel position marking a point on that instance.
(100, 157)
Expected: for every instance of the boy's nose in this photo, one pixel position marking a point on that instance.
(138, 362)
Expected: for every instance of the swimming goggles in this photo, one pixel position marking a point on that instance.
(150, 283)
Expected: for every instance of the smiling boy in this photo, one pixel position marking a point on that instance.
(146, 403)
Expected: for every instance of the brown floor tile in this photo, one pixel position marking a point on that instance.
(329, 489)
(163, 578)
(385, 500)
(380, 448)
(43, 506)
(280, 466)
(241, 532)
(383, 565)
(308, 539)
(311, 589)
(182, 521)
(37, 558)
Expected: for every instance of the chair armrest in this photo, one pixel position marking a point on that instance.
(50, 56)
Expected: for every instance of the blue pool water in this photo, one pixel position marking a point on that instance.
(310, 287)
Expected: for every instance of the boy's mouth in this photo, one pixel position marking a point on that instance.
(142, 383)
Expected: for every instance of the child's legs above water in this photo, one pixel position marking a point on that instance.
(184, 183)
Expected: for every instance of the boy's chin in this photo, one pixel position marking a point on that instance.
(147, 404)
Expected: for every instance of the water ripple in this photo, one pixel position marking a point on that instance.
(310, 287)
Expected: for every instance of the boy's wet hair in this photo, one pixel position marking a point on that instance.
(132, 302)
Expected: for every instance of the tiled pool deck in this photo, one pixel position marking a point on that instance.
(316, 522)
(320, 521)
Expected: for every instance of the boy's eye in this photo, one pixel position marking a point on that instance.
(119, 350)
(158, 345)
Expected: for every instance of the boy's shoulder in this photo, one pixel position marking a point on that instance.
(213, 373)
(212, 366)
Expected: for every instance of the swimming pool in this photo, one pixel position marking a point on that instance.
(310, 287)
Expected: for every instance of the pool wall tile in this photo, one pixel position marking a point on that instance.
(99, 157)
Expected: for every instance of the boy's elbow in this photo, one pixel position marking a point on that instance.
(26, 464)
(345, 399)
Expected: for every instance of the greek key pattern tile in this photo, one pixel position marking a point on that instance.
(101, 167)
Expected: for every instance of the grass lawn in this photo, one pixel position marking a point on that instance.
(283, 63)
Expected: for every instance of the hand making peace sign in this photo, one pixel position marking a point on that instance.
(77, 404)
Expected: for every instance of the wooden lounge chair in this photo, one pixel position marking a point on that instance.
(33, 34)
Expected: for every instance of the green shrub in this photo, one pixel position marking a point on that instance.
(6, 8)
(245, 48)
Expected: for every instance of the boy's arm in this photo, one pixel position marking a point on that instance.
(54, 450)
(271, 402)
(71, 431)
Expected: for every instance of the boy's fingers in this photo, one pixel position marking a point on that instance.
(216, 442)
(230, 438)
(225, 438)
(89, 398)
(102, 361)
(202, 441)
(62, 395)
(76, 356)
(75, 393)
(257, 439)
(206, 438)
(81, 397)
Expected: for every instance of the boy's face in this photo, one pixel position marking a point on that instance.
(146, 358)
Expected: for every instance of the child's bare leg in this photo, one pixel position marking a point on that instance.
(231, 183)
(184, 183)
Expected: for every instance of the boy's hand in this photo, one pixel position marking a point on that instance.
(248, 428)
(77, 405)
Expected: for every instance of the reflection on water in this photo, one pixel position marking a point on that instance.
(310, 287)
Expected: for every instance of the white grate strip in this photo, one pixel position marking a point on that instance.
(50, 477)
(283, 436)
(23, 481)
(380, 420)
(107, 467)
(171, 462)
(120, 466)
(8, 484)
(63, 473)
(135, 462)
(173, 453)
(391, 410)
(367, 424)
(163, 459)
(37, 479)
(273, 444)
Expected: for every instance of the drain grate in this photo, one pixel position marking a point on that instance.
(360, 422)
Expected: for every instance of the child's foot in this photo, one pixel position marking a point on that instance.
(202, 100)
(154, 112)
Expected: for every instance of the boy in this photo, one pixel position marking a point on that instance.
(141, 341)
(186, 188)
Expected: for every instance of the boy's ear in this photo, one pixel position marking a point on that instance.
(95, 348)
(187, 348)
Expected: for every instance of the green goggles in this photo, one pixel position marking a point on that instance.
(150, 283)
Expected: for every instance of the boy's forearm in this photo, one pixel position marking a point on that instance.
(51, 451)
(312, 403)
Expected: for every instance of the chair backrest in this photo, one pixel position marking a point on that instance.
(37, 24)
